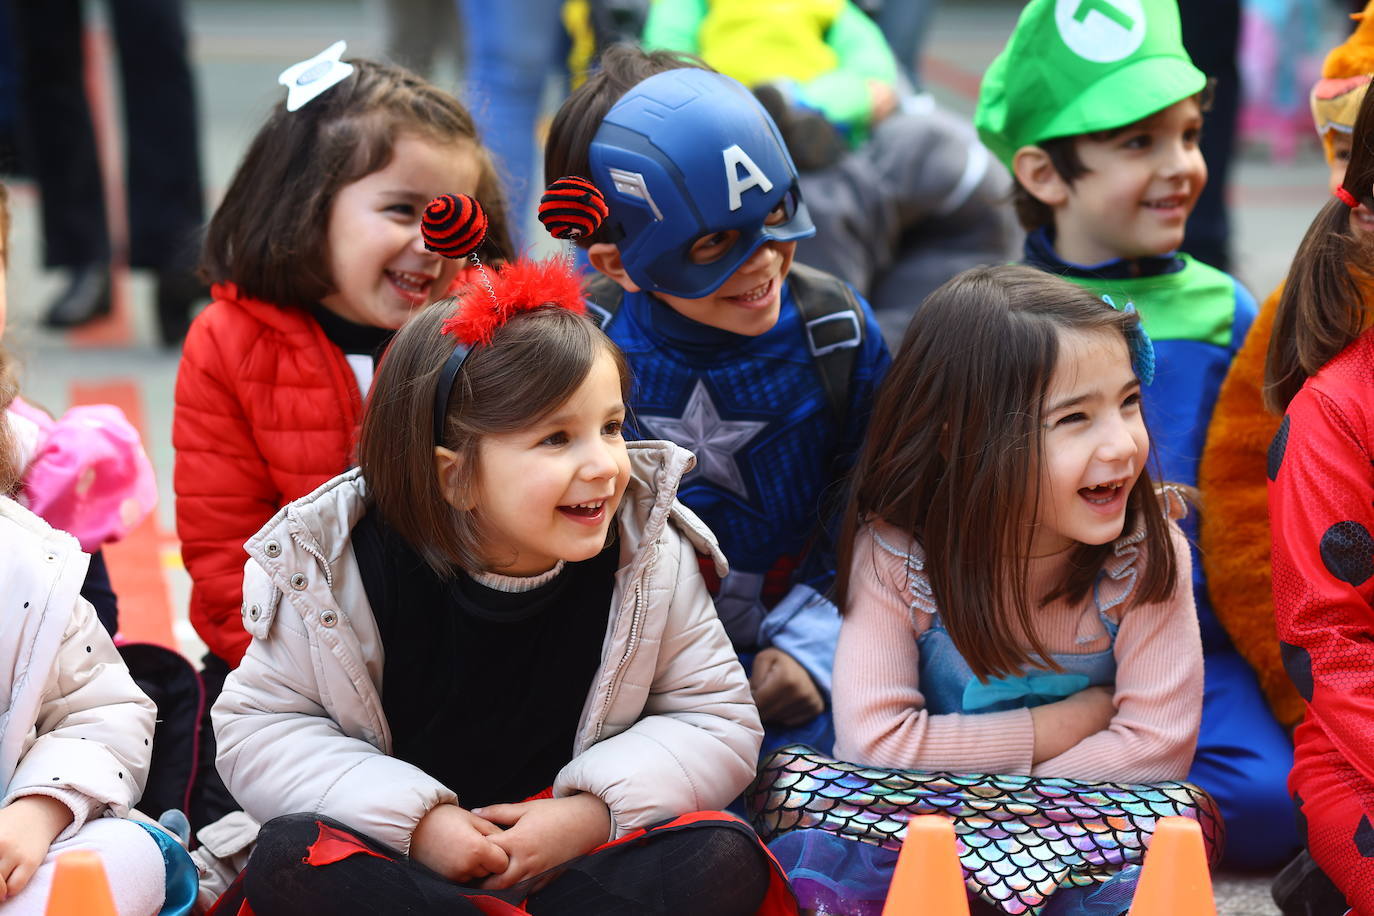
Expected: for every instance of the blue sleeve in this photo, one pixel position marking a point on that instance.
(1246, 310)
(805, 625)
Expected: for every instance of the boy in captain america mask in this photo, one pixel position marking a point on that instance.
(764, 368)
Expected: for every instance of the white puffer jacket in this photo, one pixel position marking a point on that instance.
(76, 726)
(668, 727)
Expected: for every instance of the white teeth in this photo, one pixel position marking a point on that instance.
(411, 280)
(595, 505)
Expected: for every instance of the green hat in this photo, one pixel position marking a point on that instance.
(1077, 66)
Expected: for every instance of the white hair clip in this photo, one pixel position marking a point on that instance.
(307, 79)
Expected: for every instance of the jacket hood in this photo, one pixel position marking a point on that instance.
(322, 522)
(284, 318)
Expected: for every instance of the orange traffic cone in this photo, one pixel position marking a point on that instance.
(79, 887)
(928, 880)
(1175, 880)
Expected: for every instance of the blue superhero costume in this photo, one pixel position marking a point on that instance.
(770, 452)
(689, 156)
(1198, 317)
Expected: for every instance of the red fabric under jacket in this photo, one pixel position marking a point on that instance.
(267, 409)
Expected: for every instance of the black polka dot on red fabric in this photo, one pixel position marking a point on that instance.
(1277, 446)
(1298, 663)
(1364, 838)
(1347, 550)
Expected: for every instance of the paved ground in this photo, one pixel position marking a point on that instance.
(239, 48)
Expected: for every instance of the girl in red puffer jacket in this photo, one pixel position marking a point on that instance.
(316, 259)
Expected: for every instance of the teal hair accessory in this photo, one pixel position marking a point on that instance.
(1138, 342)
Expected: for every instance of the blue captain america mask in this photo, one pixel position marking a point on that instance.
(686, 154)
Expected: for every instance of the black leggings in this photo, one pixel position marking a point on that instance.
(718, 868)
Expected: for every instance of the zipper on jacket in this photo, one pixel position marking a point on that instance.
(636, 623)
(308, 548)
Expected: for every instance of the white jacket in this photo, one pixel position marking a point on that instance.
(76, 726)
(668, 727)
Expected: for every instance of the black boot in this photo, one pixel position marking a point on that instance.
(86, 298)
(177, 292)
(1303, 889)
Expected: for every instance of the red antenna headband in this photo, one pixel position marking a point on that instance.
(454, 225)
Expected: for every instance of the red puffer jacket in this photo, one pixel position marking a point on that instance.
(267, 409)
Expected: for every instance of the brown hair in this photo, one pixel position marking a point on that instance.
(532, 365)
(952, 451)
(270, 234)
(1031, 211)
(4, 224)
(623, 67)
(1322, 308)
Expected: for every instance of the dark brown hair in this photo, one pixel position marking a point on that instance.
(532, 365)
(952, 453)
(1322, 308)
(270, 234)
(623, 67)
(1031, 211)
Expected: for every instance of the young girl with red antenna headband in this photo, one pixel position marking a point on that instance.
(488, 652)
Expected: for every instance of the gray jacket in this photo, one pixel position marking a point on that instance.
(668, 727)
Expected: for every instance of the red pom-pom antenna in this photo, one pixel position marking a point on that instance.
(454, 225)
(520, 286)
(572, 208)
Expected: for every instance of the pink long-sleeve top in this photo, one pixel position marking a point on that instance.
(880, 715)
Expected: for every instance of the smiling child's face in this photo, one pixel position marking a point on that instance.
(378, 262)
(1141, 183)
(1094, 443)
(549, 492)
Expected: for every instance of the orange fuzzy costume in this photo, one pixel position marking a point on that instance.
(1234, 531)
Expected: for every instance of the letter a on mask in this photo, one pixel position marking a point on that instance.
(737, 161)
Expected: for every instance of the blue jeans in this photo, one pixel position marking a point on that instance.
(1243, 758)
(511, 46)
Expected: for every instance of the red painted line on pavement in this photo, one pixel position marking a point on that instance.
(117, 329)
(135, 563)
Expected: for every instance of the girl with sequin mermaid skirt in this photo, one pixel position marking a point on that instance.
(1017, 602)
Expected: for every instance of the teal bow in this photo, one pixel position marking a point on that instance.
(1026, 691)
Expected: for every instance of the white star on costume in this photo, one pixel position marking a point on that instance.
(713, 440)
(307, 79)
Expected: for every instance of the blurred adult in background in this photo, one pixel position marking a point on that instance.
(1211, 34)
(512, 46)
(419, 32)
(162, 155)
(905, 24)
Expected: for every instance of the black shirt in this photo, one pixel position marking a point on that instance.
(353, 338)
(483, 689)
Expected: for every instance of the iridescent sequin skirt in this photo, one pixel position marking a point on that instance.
(1020, 839)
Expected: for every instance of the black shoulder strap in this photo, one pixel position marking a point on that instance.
(603, 296)
(831, 319)
(834, 328)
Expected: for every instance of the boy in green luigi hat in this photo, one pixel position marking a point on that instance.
(1096, 109)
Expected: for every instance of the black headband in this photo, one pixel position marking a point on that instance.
(447, 375)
